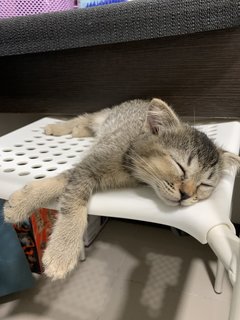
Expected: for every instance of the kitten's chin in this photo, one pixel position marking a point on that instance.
(171, 203)
(168, 202)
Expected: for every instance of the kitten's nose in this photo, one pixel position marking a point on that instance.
(184, 195)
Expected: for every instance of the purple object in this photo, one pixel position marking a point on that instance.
(13, 8)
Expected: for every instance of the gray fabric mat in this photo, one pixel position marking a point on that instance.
(137, 20)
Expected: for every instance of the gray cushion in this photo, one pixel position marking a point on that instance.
(136, 20)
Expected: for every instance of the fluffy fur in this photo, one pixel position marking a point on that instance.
(136, 142)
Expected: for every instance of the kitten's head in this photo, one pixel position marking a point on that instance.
(179, 162)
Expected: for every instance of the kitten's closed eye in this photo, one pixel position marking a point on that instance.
(206, 185)
(183, 171)
(181, 167)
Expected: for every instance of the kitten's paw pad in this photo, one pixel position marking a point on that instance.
(17, 208)
(57, 129)
(58, 264)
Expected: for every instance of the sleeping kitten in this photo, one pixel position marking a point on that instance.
(136, 142)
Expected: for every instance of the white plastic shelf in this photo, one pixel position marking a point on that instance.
(27, 154)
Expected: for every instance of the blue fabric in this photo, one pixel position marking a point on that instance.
(15, 274)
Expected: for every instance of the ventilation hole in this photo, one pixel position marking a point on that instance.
(33, 157)
(31, 148)
(71, 156)
(20, 154)
(79, 150)
(36, 166)
(49, 139)
(43, 151)
(24, 173)
(86, 145)
(65, 148)
(73, 144)
(62, 162)
(37, 137)
(53, 146)
(21, 163)
(28, 140)
(47, 160)
(9, 170)
(40, 143)
(40, 176)
(57, 154)
(61, 141)
(35, 130)
(7, 150)
(18, 145)
(8, 159)
(51, 169)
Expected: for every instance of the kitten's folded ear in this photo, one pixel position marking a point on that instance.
(230, 160)
(161, 116)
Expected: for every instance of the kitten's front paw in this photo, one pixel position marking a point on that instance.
(18, 207)
(81, 132)
(58, 262)
(57, 129)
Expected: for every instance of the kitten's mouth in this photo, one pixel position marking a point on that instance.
(189, 202)
(174, 203)
(180, 203)
(183, 203)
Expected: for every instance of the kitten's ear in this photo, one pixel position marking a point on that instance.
(230, 160)
(160, 115)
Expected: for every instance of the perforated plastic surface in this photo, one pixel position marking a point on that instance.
(12, 8)
(27, 154)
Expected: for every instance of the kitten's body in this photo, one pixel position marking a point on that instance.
(120, 127)
(136, 142)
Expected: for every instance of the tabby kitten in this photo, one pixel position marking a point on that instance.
(136, 142)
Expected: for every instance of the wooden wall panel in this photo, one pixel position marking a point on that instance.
(198, 74)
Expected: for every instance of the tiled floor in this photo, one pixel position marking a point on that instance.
(132, 272)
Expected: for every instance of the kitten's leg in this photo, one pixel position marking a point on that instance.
(62, 128)
(85, 125)
(33, 196)
(65, 244)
